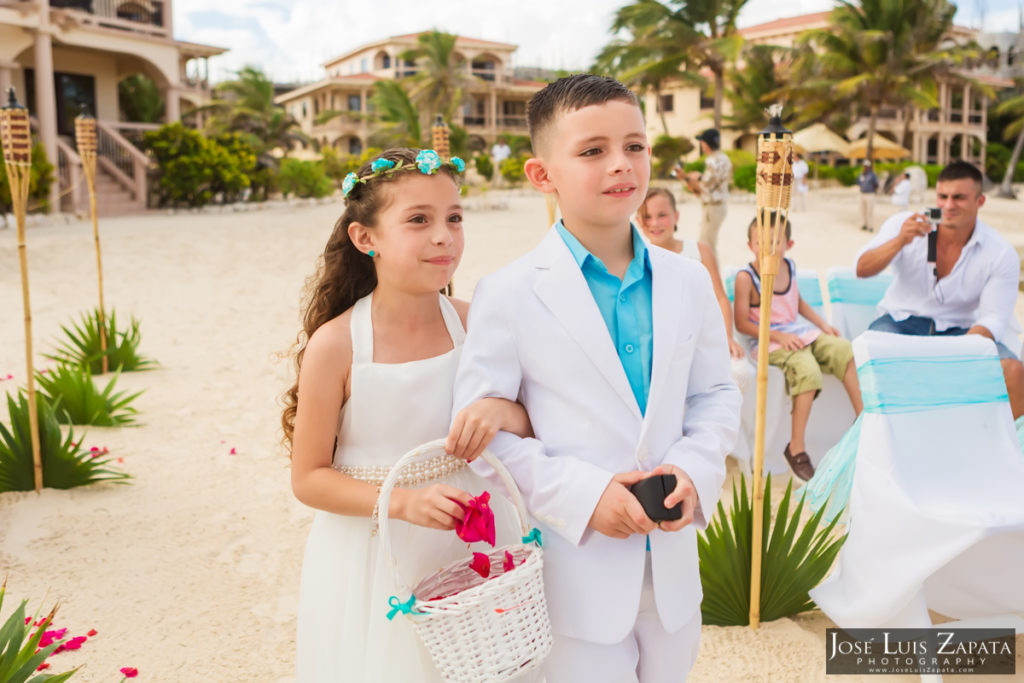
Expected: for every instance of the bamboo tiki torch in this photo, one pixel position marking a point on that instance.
(774, 183)
(439, 134)
(16, 139)
(85, 138)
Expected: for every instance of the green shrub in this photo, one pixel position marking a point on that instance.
(66, 463)
(40, 177)
(692, 166)
(512, 169)
(484, 165)
(793, 560)
(744, 177)
(667, 151)
(20, 653)
(77, 400)
(234, 158)
(740, 157)
(847, 175)
(82, 346)
(337, 165)
(303, 178)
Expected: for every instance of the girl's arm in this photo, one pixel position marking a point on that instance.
(475, 425)
(323, 383)
(707, 257)
(807, 311)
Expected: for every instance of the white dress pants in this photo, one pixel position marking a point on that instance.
(647, 655)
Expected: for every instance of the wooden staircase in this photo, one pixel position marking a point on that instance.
(121, 175)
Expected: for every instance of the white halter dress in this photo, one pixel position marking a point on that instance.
(343, 632)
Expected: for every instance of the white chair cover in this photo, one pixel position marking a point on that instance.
(936, 509)
(854, 300)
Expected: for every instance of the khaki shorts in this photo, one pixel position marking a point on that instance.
(803, 369)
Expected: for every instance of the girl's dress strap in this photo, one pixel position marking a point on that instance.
(362, 330)
(452, 321)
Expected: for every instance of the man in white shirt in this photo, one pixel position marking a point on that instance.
(900, 192)
(969, 288)
(499, 152)
(800, 171)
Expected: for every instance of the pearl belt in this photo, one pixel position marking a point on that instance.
(414, 474)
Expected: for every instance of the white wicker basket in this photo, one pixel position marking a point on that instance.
(485, 629)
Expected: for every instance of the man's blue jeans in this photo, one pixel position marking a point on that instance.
(925, 327)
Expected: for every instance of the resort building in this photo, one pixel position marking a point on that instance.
(955, 129)
(496, 101)
(63, 55)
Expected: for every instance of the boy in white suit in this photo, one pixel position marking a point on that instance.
(619, 354)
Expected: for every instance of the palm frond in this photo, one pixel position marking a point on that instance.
(83, 347)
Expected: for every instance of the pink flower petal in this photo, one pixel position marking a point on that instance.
(477, 523)
(129, 671)
(509, 564)
(234, 451)
(91, 632)
(43, 666)
(481, 564)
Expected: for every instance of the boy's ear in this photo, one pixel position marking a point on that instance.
(361, 237)
(537, 172)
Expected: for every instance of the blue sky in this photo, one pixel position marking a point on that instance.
(290, 39)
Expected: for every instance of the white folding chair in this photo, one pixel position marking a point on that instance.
(936, 519)
(854, 300)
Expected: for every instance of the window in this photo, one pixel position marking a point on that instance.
(355, 103)
(316, 106)
(355, 146)
(72, 91)
(386, 62)
(666, 103)
(364, 65)
(707, 101)
(305, 113)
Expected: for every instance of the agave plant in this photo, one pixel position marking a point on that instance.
(77, 400)
(82, 346)
(19, 647)
(66, 463)
(795, 558)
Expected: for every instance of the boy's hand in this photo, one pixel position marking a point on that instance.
(684, 492)
(828, 329)
(789, 342)
(618, 513)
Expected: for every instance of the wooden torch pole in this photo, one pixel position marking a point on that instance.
(16, 139)
(774, 184)
(439, 137)
(85, 138)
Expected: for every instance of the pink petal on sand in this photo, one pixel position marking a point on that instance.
(234, 451)
(44, 665)
(91, 632)
(75, 643)
(129, 671)
(481, 564)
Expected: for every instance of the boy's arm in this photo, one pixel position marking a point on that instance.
(712, 414)
(741, 304)
(562, 492)
(807, 311)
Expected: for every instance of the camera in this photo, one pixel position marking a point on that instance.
(933, 215)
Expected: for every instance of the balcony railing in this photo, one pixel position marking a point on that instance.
(130, 15)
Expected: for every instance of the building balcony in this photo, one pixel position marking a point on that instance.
(145, 16)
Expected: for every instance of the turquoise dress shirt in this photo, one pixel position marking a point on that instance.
(625, 306)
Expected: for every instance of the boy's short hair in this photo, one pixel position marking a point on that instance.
(753, 224)
(959, 170)
(569, 94)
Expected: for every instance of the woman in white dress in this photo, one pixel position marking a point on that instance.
(376, 362)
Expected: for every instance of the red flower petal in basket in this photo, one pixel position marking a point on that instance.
(509, 564)
(129, 671)
(477, 522)
(481, 564)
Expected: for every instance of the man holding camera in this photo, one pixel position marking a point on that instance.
(952, 274)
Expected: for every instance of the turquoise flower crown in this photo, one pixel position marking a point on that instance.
(427, 162)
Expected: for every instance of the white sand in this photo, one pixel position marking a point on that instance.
(191, 572)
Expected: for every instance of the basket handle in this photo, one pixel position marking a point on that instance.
(426, 450)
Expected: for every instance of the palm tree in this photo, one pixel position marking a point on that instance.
(1015, 107)
(140, 99)
(440, 84)
(675, 39)
(753, 83)
(246, 105)
(401, 126)
(874, 55)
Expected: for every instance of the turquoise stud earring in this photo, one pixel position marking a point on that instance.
(372, 253)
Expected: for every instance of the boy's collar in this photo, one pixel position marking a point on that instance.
(580, 252)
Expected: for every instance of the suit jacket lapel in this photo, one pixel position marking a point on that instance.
(666, 294)
(563, 289)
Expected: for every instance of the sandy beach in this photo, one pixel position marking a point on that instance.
(191, 572)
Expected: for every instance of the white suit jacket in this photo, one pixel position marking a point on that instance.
(536, 335)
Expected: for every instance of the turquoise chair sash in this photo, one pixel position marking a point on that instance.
(853, 290)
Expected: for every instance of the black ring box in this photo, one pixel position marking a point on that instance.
(652, 492)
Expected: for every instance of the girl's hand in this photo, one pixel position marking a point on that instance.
(736, 349)
(435, 506)
(790, 342)
(474, 427)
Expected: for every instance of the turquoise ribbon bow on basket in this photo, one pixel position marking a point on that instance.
(533, 537)
(407, 607)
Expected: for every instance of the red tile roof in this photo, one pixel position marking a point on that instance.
(791, 23)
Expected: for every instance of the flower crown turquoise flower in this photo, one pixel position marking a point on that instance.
(427, 162)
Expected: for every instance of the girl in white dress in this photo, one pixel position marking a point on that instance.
(376, 364)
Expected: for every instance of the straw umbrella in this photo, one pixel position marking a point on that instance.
(774, 185)
(85, 137)
(818, 138)
(16, 140)
(882, 148)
